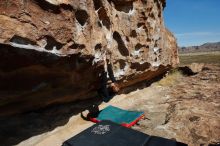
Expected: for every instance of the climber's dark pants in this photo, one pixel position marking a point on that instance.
(103, 91)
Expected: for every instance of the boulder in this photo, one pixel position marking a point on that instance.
(192, 69)
(52, 51)
(196, 67)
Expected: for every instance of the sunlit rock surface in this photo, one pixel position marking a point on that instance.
(52, 51)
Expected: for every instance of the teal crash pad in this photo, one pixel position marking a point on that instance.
(119, 116)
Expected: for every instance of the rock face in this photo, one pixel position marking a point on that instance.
(52, 51)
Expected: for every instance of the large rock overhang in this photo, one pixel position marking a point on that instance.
(53, 51)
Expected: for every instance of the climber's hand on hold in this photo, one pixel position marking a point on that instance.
(115, 87)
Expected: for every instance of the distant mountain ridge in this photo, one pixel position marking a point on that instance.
(207, 47)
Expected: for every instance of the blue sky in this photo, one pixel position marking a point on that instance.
(193, 22)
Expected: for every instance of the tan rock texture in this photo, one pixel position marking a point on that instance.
(52, 51)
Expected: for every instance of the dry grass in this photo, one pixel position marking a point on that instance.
(171, 78)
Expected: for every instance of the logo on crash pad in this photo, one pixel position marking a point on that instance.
(101, 129)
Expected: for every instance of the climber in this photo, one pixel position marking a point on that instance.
(107, 72)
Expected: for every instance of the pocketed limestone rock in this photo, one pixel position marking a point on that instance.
(52, 51)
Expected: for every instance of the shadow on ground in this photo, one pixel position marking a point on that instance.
(15, 129)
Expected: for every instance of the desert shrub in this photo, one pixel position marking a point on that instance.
(170, 78)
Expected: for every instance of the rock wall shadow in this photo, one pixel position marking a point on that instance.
(17, 128)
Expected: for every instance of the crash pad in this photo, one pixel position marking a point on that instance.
(107, 133)
(124, 117)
